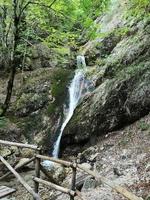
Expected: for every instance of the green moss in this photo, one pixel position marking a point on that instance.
(134, 69)
(139, 8)
(62, 50)
(143, 126)
(3, 122)
(51, 108)
(122, 31)
(59, 81)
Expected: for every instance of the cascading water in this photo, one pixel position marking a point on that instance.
(75, 92)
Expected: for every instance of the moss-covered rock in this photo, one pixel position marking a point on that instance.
(122, 93)
(36, 107)
(112, 105)
(59, 81)
(42, 57)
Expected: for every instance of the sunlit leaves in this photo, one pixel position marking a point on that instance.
(139, 7)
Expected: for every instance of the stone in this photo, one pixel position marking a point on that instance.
(56, 171)
(27, 153)
(86, 165)
(89, 155)
(115, 103)
(90, 183)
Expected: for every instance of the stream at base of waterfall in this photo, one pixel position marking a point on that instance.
(77, 88)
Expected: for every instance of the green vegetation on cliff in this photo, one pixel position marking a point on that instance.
(42, 46)
(59, 83)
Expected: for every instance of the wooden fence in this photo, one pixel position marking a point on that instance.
(72, 192)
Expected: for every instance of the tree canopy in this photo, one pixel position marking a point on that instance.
(24, 23)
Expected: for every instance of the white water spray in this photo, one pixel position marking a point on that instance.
(75, 92)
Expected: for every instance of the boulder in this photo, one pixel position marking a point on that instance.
(122, 95)
(56, 172)
(112, 105)
(41, 57)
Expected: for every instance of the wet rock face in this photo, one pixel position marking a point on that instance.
(112, 105)
(121, 97)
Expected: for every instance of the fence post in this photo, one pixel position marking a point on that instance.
(37, 171)
(73, 182)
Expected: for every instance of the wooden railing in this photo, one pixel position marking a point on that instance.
(72, 192)
(14, 170)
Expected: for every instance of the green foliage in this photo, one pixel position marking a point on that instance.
(143, 126)
(59, 82)
(60, 79)
(3, 122)
(122, 31)
(55, 24)
(139, 7)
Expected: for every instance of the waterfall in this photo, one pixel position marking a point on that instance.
(75, 92)
(81, 62)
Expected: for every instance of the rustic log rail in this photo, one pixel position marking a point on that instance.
(21, 145)
(13, 170)
(17, 168)
(54, 186)
(73, 182)
(20, 179)
(104, 180)
(37, 180)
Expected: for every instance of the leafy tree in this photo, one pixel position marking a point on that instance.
(15, 12)
(55, 23)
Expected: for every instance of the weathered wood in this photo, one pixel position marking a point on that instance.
(73, 182)
(78, 193)
(62, 162)
(20, 179)
(5, 191)
(104, 180)
(54, 186)
(21, 145)
(37, 173)
(119, 189)
(17, 168)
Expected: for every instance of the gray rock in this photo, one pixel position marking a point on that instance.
(89, 183)
(122, 96)
(56, 171)
(89, 155)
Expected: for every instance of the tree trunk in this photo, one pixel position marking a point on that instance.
(10, 84)
(9, 89)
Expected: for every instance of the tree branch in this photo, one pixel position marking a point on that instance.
(35, 3)
(52, 3)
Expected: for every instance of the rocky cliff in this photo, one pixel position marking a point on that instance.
(119, 65)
